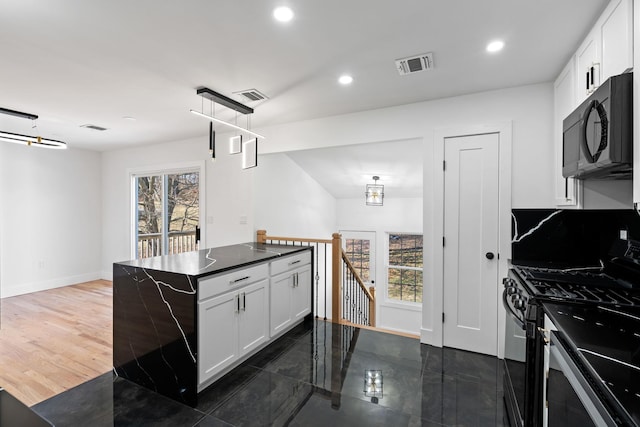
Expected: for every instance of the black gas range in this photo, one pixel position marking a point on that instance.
(570, 269)
(591, 307)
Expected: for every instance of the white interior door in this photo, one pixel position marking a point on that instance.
(471, 219)
(360, 248)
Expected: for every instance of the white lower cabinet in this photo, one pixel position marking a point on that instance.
(241, 310)
(290, 298)
(301, 294)
(231, 326)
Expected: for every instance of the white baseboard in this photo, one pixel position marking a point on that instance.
(27, 288)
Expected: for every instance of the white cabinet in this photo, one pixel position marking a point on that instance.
(301, 294)
(253, 327)
(240, 310)
(607, 50)
(231, 325)
(616, 38)
(217, 335)
(587, 60)
(290, 292)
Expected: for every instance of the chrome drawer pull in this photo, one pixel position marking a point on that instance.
(294, 262)
(239, 280)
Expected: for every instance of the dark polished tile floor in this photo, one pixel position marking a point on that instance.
(312, 376)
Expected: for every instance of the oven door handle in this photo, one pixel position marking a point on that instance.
(579, 383)
(510, 310)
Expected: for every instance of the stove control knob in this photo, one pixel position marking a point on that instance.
(519, 304)
(512, 290)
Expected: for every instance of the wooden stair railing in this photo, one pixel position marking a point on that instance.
(341, 266)
(359, 317)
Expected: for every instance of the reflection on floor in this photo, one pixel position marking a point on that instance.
(312, 376)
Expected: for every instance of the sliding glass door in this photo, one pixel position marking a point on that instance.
(167, 213)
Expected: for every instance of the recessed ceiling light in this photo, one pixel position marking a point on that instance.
(283, 14)
(129, 118)
(495, 46)
(345, 79)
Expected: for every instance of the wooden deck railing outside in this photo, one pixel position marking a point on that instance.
(150, 245)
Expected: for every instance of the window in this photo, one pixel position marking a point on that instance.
(359, 253)
(167, 213)
(404, 269)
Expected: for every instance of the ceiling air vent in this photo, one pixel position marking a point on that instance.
(94, 127)
(252, 95)
(415, 64)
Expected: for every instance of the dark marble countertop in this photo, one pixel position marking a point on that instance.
(606, 340)
(214, 260)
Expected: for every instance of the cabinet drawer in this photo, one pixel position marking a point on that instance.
(290, 262)
(215, 285)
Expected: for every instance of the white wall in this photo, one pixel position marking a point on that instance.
(229, 188)
(288, 202)
(51, 218)
(228, 194)
(530, 108)
(401, 215)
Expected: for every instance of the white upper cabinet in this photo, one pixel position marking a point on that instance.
(616, 38)
(606, 51)
(587, 60)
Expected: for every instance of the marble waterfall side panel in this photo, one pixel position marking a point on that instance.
(154, 330)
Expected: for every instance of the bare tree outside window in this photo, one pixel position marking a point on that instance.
(404, 271)
(180, 216)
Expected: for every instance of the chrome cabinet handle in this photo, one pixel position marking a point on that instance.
(237, 298)
(244, 301)
(294, 262)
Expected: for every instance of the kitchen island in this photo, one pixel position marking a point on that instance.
(182, 321)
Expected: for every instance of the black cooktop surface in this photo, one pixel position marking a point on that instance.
(606, 339)
(591, 286)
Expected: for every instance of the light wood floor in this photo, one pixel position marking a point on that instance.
(54, 340)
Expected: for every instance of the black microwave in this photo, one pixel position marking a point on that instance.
(597, 138)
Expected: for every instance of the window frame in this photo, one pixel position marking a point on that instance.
(388, 265)
(175, 168)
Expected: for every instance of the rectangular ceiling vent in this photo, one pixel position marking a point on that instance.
(415, 64)
(252, 95)
(94, 127)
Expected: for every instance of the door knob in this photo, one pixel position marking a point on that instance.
(489, 255)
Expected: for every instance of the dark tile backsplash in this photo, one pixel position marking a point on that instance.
(568, 237)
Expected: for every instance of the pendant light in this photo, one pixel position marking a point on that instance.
(31, 141)
(374, 193)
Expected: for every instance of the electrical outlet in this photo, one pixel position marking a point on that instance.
(243, 219)
(624, 235)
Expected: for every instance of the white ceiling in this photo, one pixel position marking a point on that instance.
(345, 171)
(76, 62)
